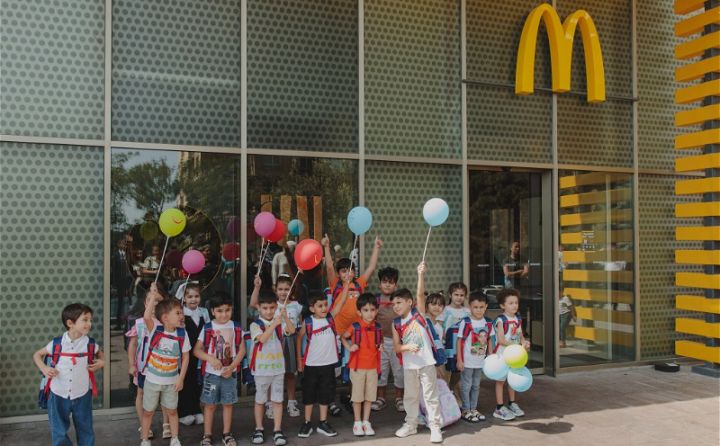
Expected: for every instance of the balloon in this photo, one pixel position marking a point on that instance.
(233, 228)
(295, 227)
(495, 367)
(515, 356)
(172, 222)
(519, 379)
(308, 254)
(359, 220)
(435, 211)
(264, 224)
(278, 233)
(193, 261)
(173, 258)
(231, 251)
(149, 230)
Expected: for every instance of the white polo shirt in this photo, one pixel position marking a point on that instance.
(74, 379)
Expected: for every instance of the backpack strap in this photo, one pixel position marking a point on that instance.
(309, 332)
(357, 339)
(239, 339)
(467, 328)
(57, 353)
(338, 289)
(160, 333)
(378, 344)
(52, 359)
(208, 338)
(257, 346)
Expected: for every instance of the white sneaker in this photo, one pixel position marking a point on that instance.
(515, 409)
(367, 427)
(175, 442)
(504, 414)
(435, 435)
(199, 418)
(292, 409)
(268, 411)
(358, 430)
(145, 443)
(188, 420)
(405, 431)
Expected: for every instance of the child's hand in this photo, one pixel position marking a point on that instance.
(153, 287)
(460, 365)
(276, 321)
(422, 269)
(381, 349)
(526, 345)
(325, 241)
(179, 383)
(413, 348)
(97, 365)
(226, 372)
(217, 365)
(132, 370)
(49, 372)
(283, 312)
(257, 282)
(300, 365)
(378, 242)
(354, 348)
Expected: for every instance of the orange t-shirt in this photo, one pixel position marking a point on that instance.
(366, 356)
(348, 313)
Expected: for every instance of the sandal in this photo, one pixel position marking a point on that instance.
(399, 405)
(334, 409)
(479, 416)
(469, 416)
(279, 438)
(166, 430)
(258, 437)
(229, 440)
(378, 404)
(150, 433)
(206, 440)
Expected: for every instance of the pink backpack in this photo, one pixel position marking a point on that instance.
(449, 409)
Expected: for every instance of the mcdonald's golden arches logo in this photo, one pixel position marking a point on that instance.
(561, 37)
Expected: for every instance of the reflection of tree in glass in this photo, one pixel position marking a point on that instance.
(151, 184)
(120, 190)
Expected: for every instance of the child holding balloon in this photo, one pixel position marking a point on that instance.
(508, 331)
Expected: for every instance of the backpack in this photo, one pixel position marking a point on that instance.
(155, 338)
(338, 289)
(247, 376)
(467, 330)
(52, 359)
(309, 333)
(438, 352)
(258, 345)
(357, 338)
(506, 326)
(448, 405)
(209, 339)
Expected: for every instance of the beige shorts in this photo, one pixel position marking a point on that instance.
(165, 394)
(364, 385)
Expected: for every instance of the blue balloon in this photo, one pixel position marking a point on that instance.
(436, 211)
(359, 220)
(495, 367)
(519, 379)
(295, 227)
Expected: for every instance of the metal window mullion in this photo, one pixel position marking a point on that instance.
(636, 183)
(361, 116)
(107, 190)
(463, 143)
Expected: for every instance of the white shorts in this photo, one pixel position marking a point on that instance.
(390, 361)
(274, 384)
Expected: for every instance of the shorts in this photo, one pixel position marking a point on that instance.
(364, 385)
(390, 361)
(274, 384)
(318, 384)
(289, 351)
(219, 390)
(165, 394)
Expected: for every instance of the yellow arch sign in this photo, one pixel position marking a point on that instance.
(561, 37)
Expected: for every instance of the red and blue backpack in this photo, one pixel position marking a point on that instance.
(309, 332)
(332, 298)
(467, 330)
(257, 347)
(438, 353)
(357, 339)
(506, 326)
(209, 339)
(52, 359)
(155, 338)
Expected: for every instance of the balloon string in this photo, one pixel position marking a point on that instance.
(262, 256)
(182, 299)
(291, 286)
(427, 239)
(352, 257)
(157, 275)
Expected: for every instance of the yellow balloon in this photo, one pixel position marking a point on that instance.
(172, 222)
(515, 356)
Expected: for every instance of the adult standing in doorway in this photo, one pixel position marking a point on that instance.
(515, 268)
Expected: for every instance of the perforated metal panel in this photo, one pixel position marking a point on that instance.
(52, 68)
(52, 255)
(176, 72)
(302, 75)
(657, 267)
(412, 78)
(396, 193)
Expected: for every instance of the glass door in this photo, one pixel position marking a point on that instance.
(506, 246)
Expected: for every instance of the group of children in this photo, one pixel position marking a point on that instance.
(369, 335)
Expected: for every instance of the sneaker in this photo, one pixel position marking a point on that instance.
(305, 430)
(279, 439)
(188, 420)
(358, 430)
(292, 409)
(504, 414)
(325, 429)
(405, 431)
(367, 427)
(175, 442)
(435, 435)
(145, 443)
(268, 411)
(199, 418)
(515, 409)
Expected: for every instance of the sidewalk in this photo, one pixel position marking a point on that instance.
(627, 406)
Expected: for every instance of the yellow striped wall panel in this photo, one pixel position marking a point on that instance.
(697, 327)
(697, 303)
(600, 295)
(579, 275)
(697, 256)
(698, 351)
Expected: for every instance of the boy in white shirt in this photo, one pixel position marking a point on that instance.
(414, 342)
(70, 377)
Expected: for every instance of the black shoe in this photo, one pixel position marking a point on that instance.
(325, 429)
(305, 430)
(334, 409)
(347, 403)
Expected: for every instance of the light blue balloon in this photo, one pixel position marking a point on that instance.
(495, 367)
(519, 379)
(295, 227)
(436, 211)
(359, 220)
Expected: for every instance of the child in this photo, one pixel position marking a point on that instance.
(451, 315)
(196, 317)
(508, 331)
(293, 309)
(435, 304)
(267, 364)
(388, 359)
(413, 340)
(166, 363)
(220, 348)
(319, 361)
(364, 342)
(472, 346)
(567, 313)
(70, 376)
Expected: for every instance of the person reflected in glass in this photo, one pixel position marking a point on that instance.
(151, 263)
(515, 267)
(567, 314)
(121, 280)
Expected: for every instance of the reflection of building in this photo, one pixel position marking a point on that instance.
(189, 168)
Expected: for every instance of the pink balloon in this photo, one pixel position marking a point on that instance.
(193, 261)
(264, 224)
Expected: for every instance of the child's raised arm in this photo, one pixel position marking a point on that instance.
(257, 283)
(421, 269)
(338, 304)
(150, 307)
(329, 267)
(372, 264)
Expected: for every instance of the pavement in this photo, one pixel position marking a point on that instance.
(622, 406)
